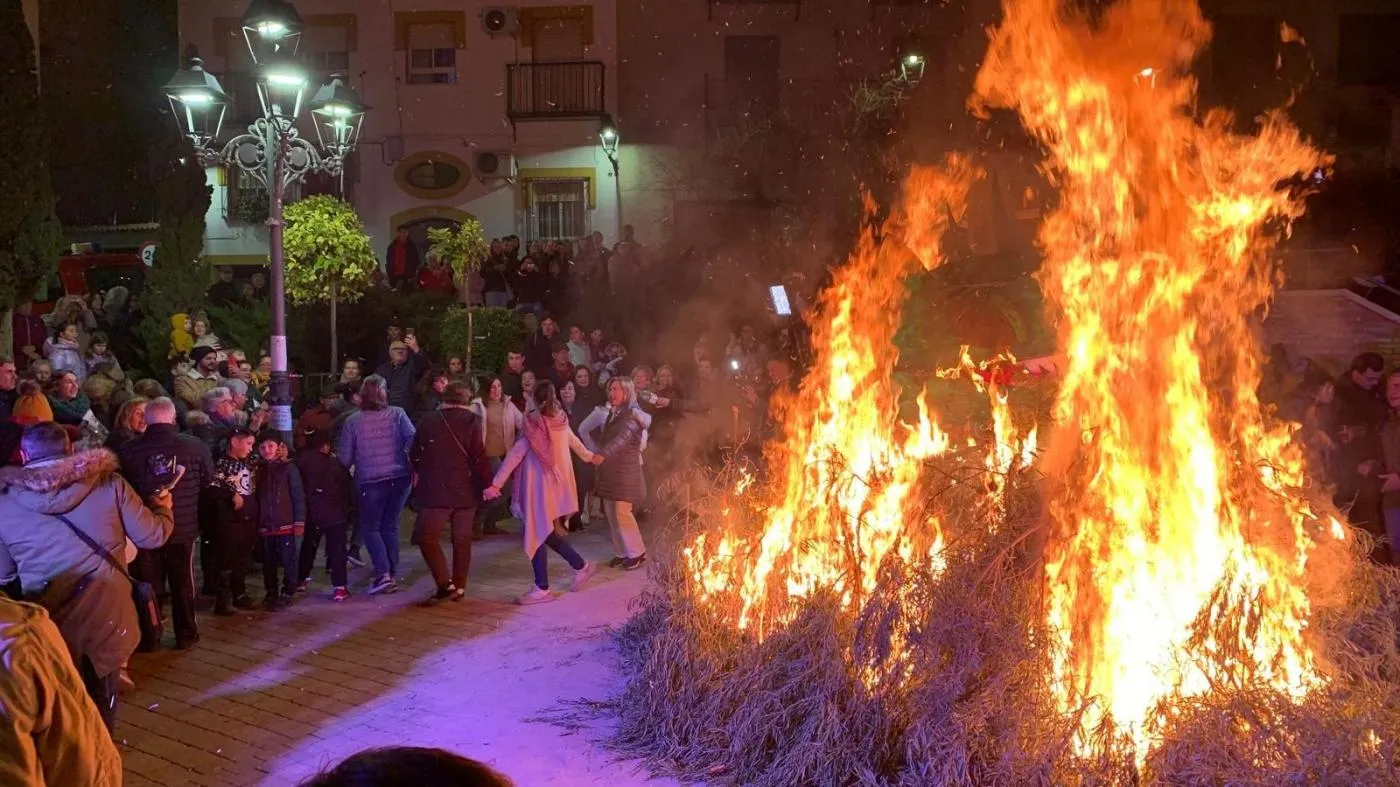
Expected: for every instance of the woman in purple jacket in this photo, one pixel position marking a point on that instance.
(374, 444)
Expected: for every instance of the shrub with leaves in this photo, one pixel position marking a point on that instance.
(493, 333)
(30, 236)
(328, 255)
(327, 252)
(463, 248)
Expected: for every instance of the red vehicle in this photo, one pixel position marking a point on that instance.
(86, 273)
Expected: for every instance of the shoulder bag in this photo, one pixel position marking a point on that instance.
(142, 594)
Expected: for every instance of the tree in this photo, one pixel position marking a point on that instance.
(30, 236)
(328, 255)
(465, 249)
(179, 278)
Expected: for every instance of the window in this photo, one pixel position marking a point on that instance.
(432, 175)
(248, 199)
(751, 69)
(557, 39)
(558, 209)
(326, 50)
(432, 54)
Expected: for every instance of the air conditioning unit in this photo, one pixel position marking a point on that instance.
(500, 21)
(494, 165)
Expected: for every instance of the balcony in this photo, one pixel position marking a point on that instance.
(554, 91)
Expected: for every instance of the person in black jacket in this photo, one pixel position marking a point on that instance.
(449, 460)
(401, 374)
(149, 463)
(539, 348)
(233, 512)
(329, 501)
(281, 518)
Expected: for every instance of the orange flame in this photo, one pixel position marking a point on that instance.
(847, 466)
(1179, 496)
(1178, 543)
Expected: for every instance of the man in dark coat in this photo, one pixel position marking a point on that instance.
(1359, 398)
(449, 458)
(88, 597)
(539, 348)
(150, 464)
(406, 366)
(510, 375)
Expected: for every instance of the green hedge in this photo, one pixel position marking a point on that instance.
(495, 333)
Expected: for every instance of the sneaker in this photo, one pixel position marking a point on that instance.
(353, 558)
(440, 596)
(340, 594)
(303, 586)
(272, 603)
(616, 562)
(186, 642)
(633, 563)
(384, 584)
(243, 602)
(582, 575)
(224, 608)
(536, 595)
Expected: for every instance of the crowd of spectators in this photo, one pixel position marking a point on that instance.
(1350, 433)
(109, 485)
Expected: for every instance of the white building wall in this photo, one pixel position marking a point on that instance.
(458, 120)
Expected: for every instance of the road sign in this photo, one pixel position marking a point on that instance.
(148, 253)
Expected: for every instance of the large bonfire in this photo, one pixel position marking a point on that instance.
(1156, 597)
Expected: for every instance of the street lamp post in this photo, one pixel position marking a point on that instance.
(271, 149)
(610, 138)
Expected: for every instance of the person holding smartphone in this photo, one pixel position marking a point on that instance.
(152, 463)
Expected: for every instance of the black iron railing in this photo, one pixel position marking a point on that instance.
(547, 91)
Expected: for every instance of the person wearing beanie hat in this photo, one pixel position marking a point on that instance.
(281, 505)
(318, 417)
(202, 376)
(32, 406)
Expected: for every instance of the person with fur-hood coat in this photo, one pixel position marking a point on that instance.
(89, 599)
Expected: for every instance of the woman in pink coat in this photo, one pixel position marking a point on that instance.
(545, 494)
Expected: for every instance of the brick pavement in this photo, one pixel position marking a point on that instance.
(269, 698)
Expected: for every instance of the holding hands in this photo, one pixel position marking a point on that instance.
(490, 494)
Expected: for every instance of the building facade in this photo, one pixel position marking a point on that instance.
(487, 110)
(707, 85)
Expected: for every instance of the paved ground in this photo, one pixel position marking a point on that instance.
(273, 698)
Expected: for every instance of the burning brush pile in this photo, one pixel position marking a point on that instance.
(1155, 594)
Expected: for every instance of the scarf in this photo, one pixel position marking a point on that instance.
(537, 432)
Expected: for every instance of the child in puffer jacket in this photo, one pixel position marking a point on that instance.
(281, 518)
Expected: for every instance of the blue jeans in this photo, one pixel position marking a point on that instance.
(381, 503)
(534, 307)
(540, 561)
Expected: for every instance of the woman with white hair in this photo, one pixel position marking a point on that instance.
(622, 429)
